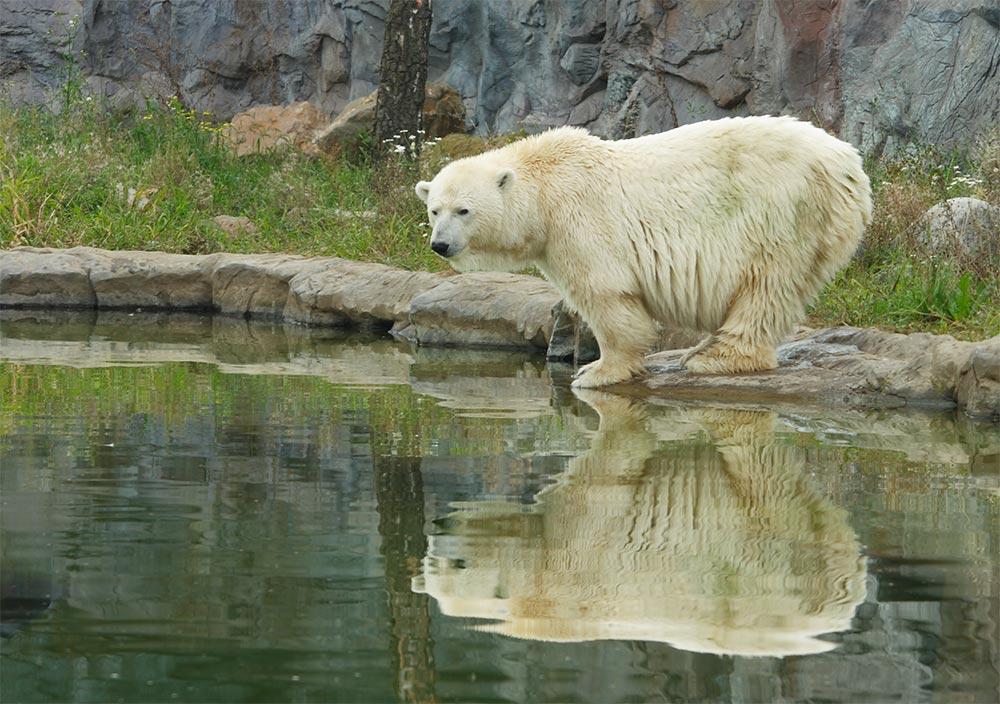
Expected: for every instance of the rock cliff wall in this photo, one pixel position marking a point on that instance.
(878, 73)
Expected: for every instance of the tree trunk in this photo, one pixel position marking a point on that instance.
(402, 77)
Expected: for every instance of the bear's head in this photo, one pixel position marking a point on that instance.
(479, 216)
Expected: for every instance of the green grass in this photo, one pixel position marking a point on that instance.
(894, 283)
(910, 294)
(153, 179)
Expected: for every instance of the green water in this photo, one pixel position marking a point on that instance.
(201, 510)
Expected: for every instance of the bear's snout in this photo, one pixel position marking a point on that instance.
(440, 248)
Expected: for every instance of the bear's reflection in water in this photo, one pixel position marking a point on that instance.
(698, 530)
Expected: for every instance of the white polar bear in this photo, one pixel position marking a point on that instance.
(729, 227)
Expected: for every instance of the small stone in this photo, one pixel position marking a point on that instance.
(235, 225)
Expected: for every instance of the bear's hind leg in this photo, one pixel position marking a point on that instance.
(624, 332)
(729, 355)
(762, 312)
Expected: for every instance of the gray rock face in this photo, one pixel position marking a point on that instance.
(877, 73)
(838, 367)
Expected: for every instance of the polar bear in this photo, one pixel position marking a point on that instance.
(729, 227)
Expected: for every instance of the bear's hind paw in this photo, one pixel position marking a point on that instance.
(718, 361)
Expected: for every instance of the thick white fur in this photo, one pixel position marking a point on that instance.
(730, 227)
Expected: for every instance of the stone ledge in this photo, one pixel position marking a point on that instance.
(835, 367)
(853, 367)
(483, 310)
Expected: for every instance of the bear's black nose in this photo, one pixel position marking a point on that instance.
(440, 248)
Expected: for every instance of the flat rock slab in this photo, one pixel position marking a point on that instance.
(483, 310)
(344, 293)
(835, 367)
(851, 367)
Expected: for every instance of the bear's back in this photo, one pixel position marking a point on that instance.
(738, 143)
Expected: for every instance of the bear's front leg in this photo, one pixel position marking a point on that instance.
(624, 332)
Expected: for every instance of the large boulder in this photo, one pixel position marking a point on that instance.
(345, 293)
(444, 111)
(343, 135)
(962, 227)
(254, 286)
(268, 127)
(40, 278)
(483, 309)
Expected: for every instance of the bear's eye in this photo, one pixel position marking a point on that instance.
(434, 213)
(463, 211)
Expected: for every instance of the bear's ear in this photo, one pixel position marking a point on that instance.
(422, 189)
(505, 179)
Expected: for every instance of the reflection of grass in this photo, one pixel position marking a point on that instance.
(396, 420)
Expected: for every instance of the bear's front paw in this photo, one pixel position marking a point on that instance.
(598, 374)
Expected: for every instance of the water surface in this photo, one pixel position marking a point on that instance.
(211, 511)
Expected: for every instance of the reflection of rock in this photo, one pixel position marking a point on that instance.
(482, 383)
(717, 547)
(27, 585)
(22, 600)
(476, 382)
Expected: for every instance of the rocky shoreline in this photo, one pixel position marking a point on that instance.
(834, 367)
